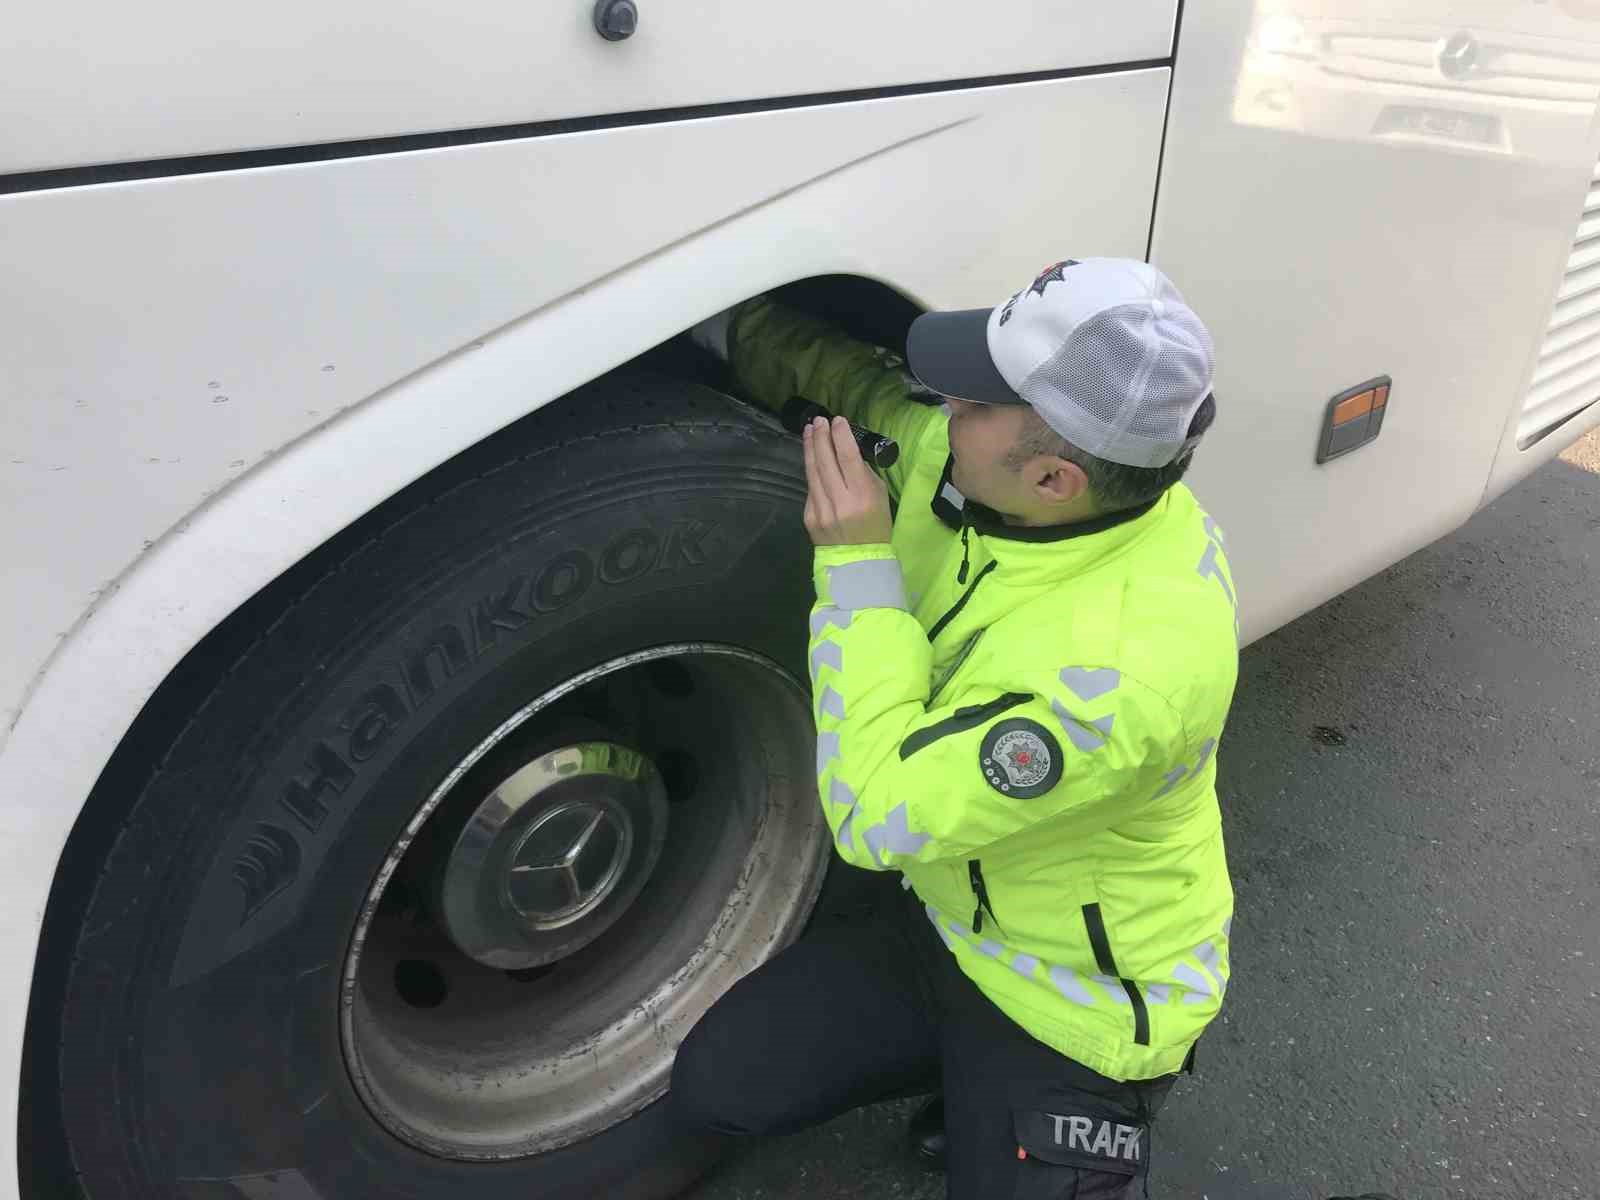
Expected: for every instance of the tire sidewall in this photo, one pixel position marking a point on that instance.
(266, 824)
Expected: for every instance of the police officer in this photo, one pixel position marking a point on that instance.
(1019, 684)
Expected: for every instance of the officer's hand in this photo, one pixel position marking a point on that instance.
(846, 504)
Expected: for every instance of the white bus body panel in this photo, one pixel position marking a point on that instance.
(451, 292)
(83, 81)
(1336, 208)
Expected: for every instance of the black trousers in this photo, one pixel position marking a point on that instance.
(858, 1012)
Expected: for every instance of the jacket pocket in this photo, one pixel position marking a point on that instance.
(1084, 1148)
(980, 897)
(960, 721)
(1095, 926)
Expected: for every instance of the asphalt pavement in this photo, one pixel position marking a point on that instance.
(1410, 784)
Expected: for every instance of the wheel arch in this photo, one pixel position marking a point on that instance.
(185, 648)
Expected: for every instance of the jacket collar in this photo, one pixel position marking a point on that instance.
(991, 524)
(1030, 554)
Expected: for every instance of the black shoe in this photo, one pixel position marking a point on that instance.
(927, 1132)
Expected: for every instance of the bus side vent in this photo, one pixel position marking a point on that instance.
(1566, 379)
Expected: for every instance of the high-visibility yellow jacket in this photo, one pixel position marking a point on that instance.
(1024, 722)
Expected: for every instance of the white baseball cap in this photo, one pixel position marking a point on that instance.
(1104, 349)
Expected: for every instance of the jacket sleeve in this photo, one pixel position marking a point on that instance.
(1076, 744)
(778, 353)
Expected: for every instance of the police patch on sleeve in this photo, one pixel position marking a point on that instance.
(1020, 758)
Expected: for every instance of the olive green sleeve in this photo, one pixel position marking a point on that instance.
(778, 353)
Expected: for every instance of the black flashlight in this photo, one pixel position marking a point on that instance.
(879, 451)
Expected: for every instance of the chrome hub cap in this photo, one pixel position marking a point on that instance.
(554, 855)
(568, 863)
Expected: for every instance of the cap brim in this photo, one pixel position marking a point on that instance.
(949, 352)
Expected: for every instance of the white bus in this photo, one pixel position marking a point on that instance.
(372, 536)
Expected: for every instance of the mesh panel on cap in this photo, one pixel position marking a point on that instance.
(1094, 366)
(1099, 392)
(1177, 381)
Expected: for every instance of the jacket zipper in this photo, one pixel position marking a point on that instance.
(980, 897)
(938, 626)
(980, 893)
(950, 672)
(1095, 926)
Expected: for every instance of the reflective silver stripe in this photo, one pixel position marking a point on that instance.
(905, 883)
(870, 583)
(839, 793)
(951, 495)
(831, 703)
(1090, 683)
(823, 617)
(1071, 986)
(1199, 986)
(990, 949)
(874, 840)
(845, 836)
(1085, 735)
(1214, 531)
(1113, 988)
(826, 654)
(1208, 566)
(1177, 775)
(1174, 778)
(1227, 928)
(1207, 954)
(943, 933)
(957, 928)
(1158, 993)
(1025, 965)
(827, 750)
(893, 835)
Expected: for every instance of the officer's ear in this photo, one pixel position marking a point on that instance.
(1055, 481)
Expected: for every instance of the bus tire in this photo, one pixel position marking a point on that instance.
(265, 995)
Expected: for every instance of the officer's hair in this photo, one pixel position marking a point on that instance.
(1113, 485)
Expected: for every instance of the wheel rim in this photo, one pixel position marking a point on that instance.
(573, 896)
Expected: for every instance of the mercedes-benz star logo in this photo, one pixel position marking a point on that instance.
(1458, 56)
(568, 862)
